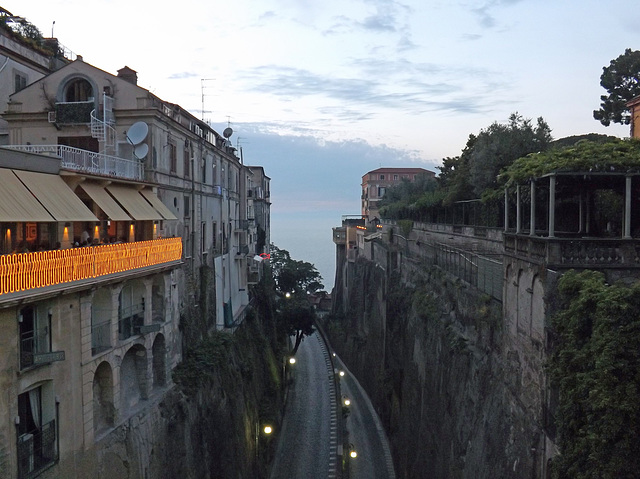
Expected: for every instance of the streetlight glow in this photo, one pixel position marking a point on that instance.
(353, 454)
(347, 401)
(268, 430)
(292, 360)
(341, 373)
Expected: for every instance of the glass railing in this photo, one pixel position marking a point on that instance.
(27, 271)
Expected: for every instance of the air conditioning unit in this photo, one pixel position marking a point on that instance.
(51, 116)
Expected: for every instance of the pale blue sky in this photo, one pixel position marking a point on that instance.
(319, 93)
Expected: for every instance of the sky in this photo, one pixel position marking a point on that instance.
(320, 93)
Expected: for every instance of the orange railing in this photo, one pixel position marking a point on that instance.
(25, 271)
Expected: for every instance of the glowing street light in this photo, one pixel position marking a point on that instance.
(268, 429)
(347, 401)
(353, 454)
(292, 361)
(341, 373)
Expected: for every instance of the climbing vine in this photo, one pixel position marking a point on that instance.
(596, 369)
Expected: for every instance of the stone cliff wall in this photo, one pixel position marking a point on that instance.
(440, 365)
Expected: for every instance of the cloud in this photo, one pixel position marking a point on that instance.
(182, 75)
(485, 12)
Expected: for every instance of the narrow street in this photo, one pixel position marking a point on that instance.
(308, 441)
(366, 434)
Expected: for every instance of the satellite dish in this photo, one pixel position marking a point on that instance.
(137, 132)
(227, 132)
(141, 150)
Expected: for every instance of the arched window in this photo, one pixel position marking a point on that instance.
(103, 409)
(78, 90)
(133, 378)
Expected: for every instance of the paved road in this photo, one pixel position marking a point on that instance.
(307, 447)
(365, 433)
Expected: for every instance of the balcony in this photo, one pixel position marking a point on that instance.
(37, 450)
(30, 271)
(74, 113)
(84, 161)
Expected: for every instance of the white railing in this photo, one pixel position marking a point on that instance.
(88, 161)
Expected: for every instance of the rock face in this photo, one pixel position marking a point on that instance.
(459, 397)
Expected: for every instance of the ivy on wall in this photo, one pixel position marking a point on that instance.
(596, 368)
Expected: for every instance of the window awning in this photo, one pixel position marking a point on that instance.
(54, 194)
(158, 205)
(134, 203)
(105, 202)
(17, 203)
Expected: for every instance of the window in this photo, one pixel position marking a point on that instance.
(186, 157)
(187, 206)
(381, 190)
(215, 236)
(35, 334)
(37, 438)
(203, 237)
(78, 90)
(395, 177)
(173, 158)
(20, 82)
(382, 177)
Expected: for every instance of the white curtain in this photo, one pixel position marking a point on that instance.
(34, 400)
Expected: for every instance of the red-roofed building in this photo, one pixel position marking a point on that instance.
(375, 183)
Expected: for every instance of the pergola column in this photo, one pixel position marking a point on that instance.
(532, 219)
(506, 209)
(518, 216)
(552, 206)
(627, 208)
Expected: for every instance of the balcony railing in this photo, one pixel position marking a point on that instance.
(37, 450)
(88, 161)
(27, 271)
(100, 337)
(575, 252)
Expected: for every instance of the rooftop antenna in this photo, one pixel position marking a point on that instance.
(52, 25)
(202, 87)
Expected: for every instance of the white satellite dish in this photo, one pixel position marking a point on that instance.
(137, 132)
(141, 150)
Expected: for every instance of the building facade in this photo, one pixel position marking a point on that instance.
(122, 216)
(376, 182)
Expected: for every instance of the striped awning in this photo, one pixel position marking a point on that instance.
(157, 204)
(134, 203)
(106, 203)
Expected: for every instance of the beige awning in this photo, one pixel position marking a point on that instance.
(158, 205)
(17, 203)
(134, 203)
(54, 194)
(105, 202)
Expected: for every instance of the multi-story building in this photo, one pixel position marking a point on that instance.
(22, 64)
(121, 214)
(375, 183)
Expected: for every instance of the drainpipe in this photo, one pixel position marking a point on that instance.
(627, 208)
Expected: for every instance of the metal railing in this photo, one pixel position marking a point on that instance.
(100, 337)
(37, 450)
(88, 161)
(130, 320)
(26, 271)
(31, 343)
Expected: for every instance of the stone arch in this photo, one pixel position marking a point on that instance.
(103, 408)
(133, 378)
(158, 295)
(101, 313)
(159, 352)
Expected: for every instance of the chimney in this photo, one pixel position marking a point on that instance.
(128, 74)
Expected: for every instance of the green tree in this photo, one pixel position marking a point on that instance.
(294, 281)
(621, 79)
(596, 370)
(499, 145)
(292, 275)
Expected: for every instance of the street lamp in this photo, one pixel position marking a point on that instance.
(292, 360)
